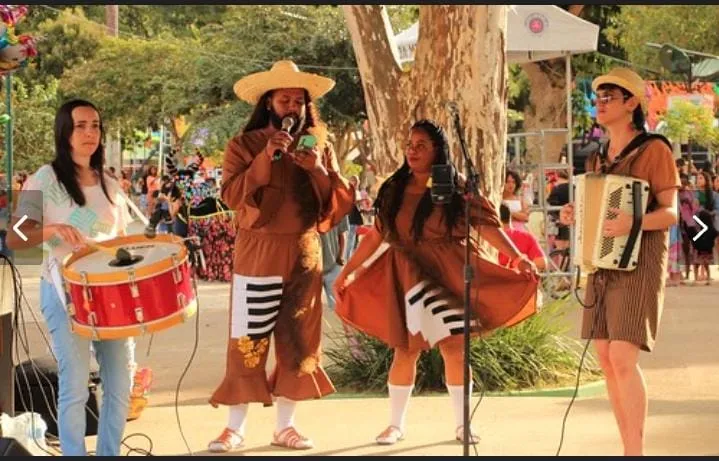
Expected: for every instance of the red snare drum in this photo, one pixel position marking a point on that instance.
(110, 299)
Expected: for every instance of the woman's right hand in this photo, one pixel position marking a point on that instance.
(566, 215)
(66, 232)
(281, 140)
(340, 283)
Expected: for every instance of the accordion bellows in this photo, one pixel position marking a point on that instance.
(594, 196)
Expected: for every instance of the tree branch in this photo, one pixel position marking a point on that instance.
(364, 22)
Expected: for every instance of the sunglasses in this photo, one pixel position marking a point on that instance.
(606, 99)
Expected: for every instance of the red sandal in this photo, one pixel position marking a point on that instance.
(290, 438)
(227, 441)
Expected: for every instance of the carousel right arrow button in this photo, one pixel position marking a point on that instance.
(704, 228)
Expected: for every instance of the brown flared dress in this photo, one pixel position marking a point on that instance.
(410, 295)
(627, 305)
(277, 274)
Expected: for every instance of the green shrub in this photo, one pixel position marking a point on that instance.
(536, 353)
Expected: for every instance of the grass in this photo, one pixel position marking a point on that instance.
(536, 354)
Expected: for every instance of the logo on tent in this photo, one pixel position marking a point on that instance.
(536, 23)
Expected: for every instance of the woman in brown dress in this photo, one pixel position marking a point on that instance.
(624, 307)
(409, 289)
(283, 199)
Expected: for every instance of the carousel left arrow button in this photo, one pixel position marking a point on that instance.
(17, 230)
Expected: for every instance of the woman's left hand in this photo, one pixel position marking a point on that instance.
(525, 266)
(618, 226)
(308, 159)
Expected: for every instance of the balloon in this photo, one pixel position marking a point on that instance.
(13, 57)
(11, 15)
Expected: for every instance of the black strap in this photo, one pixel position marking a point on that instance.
(637, 216)
(638, 140)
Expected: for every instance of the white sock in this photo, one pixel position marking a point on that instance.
(238, 418)
(285, 413)
(456, 394)
(399, 401)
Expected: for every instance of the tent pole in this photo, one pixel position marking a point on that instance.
(570, 153)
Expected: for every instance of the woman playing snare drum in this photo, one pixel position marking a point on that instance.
(77, 203)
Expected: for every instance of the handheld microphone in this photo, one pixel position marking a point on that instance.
(287, 123)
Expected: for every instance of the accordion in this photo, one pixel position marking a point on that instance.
(594, 196)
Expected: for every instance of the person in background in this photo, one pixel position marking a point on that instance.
(355, 220)
(709, 205)
(513, 199)
(688, 207)
(333, 250)
(559, 197)
(523, 240)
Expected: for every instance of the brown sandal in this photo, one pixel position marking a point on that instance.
(290, 438)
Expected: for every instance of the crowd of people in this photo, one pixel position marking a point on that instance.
(698, 197)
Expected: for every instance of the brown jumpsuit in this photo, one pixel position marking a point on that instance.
(277, 284)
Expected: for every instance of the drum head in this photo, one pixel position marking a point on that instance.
(147, 257)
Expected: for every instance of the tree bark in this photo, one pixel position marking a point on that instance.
(113, 151)
(547, 104)
(460, 56)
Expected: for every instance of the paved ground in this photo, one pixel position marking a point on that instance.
(682, 375)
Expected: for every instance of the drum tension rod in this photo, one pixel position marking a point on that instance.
(176, 274)
(134, 290)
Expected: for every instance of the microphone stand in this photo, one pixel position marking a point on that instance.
(470, 191)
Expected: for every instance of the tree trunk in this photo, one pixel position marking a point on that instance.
(460, 56)
(547, 108)
(547, 104)
(113, 149)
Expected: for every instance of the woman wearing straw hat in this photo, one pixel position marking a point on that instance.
(626, 306)
(283, 198)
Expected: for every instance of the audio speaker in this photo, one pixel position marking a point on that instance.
(11, 447)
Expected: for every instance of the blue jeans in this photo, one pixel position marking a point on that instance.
(351, 242)
(328, 279)
(73, 357)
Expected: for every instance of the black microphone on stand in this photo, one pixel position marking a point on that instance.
(442, 183)
(471, 189)
(443, 174)
(287, 123)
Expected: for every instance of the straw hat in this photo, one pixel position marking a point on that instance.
(284, 74)
(627, 79)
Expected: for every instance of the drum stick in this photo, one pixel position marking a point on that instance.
(137, 211)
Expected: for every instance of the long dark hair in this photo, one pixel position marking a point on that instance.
(390, 195)
(708, 191)
(260, 117)
(63, 165)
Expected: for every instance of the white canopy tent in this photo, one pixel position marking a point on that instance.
(534, 33)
